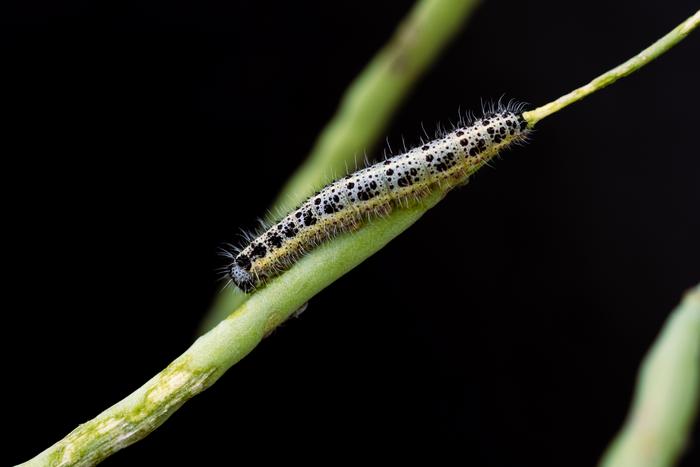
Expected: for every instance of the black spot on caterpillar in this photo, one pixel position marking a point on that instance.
(348, 202)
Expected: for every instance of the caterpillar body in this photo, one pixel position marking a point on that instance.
(347, 203)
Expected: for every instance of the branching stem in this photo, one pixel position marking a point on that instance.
(365, 109)
(215, 352)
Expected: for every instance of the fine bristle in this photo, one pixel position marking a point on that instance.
(375, 190)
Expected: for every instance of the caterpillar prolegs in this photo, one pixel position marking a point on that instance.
(347, 203)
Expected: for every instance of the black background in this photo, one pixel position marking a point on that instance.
(142, 135)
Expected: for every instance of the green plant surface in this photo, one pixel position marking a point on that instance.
(365, 109)
(212, 354)
(215, 352)
(666, 398)
(371, 100)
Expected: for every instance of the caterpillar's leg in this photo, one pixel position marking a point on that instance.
(300, 310)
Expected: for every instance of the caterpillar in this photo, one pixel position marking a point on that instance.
(345, 204)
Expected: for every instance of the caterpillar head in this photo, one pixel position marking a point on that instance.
(241, 276)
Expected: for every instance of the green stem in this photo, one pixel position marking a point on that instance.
(365, 109)
(655, 50)
(215, 352)
(666, 399)
(376, 93)
(212, 354)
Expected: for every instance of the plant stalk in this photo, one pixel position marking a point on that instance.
(658, 426)
(216, 351)
(365, 109)
(652, 52)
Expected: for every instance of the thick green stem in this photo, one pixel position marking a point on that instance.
(212, 354)
(666, 400)
(215, 352)
(365, 109)
(655, 50)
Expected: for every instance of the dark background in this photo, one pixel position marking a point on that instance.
(143, 135)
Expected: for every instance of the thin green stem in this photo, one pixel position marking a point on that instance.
(666, 399)
(652, 52)
(365, 109)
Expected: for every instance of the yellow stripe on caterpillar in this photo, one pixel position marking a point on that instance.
(349, 202)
